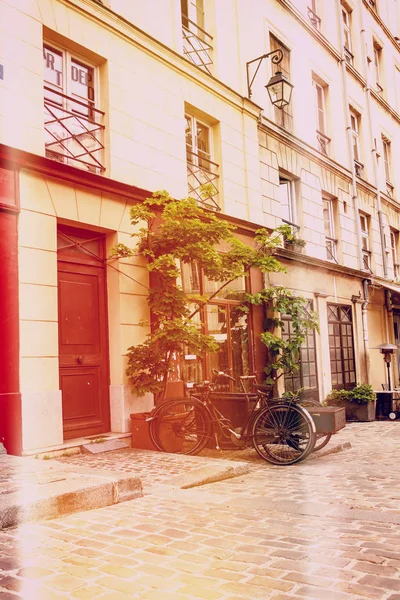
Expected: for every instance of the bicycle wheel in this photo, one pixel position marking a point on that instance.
(283, 434)
(181, 426)
(322, 438)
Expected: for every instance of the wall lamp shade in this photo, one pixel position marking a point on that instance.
(280, 90)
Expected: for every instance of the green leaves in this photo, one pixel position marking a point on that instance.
(180, 231)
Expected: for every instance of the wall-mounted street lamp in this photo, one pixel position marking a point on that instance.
(279, 87)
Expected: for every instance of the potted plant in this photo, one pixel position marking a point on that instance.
(360, 402)
(290, 240)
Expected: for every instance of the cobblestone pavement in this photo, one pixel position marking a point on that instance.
(326, 529)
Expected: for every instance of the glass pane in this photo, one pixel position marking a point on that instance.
(285, 200)
(190, 277)
(81, 86)
(203, 140)
(233, 291)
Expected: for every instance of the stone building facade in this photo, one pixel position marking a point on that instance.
(102, 103)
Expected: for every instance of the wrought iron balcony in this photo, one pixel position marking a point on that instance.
(389, 189)
(314, 18)
(73, 131)
(331, 249)
(323, 141)
(366, 255)
(348, 56)
(197, 45)
(359, 167)
(202, 174)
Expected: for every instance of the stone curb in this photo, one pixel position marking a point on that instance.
(209, 474)
(37, 490)
(334, 450)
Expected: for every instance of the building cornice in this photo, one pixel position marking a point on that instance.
(20, 159)
(386, 105)
(303, 148)
(159, 51)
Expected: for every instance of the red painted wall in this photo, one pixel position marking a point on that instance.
(10, 398)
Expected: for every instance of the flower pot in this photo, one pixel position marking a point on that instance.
(294, 247)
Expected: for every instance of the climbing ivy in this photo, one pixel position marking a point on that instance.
(171, 232)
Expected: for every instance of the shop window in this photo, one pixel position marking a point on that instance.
(341, 346)
(306, 375)
(225, 322)
(73, 123)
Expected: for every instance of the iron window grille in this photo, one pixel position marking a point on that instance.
(202, 172)
(73, 125)
(197, 43)
(315, 20)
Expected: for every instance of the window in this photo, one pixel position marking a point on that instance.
(355, 124)
(394, 244)
(320, 92)
(306, 375)
(377, 53)
(329, 229)
(312, 11)
(386, 146)
(287, 200)
(201, 170)
(284, 116)
(73, 124)
(397, 86)
(346, 19)
(366, 252)
(341, 346)
(197, 43)
(223, 321)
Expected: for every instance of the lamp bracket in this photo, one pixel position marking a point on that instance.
(276, 58)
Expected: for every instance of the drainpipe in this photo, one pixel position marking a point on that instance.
(375, 156)
(364, 318)
(349, 136)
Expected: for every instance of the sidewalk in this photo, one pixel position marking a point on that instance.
(33, 489)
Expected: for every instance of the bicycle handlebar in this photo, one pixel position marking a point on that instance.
(222, 374)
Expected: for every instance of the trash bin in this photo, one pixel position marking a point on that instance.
(140, 432)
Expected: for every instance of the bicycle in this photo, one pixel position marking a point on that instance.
(282, 432)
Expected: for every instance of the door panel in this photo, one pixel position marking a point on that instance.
(83, 348)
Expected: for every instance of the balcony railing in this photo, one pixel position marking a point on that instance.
(202, 174)
(366, 256)
(314, 18)
(323, 141)
(359, 167)
(197, 45)
(389, 189)
(348, 56)
(73, 131)
(331, 249)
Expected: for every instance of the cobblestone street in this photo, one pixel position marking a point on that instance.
(325, 529)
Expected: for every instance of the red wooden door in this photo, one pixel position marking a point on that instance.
(83, 340)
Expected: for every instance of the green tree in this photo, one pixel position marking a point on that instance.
(180, 231)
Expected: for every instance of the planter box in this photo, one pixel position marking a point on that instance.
(359, 412)
(328, 419)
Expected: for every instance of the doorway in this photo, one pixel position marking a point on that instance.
(83, 332)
